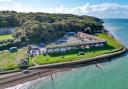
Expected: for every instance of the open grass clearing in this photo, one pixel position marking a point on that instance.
(9, 61)
(5, 37)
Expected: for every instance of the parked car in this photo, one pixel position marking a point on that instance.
(13, 49)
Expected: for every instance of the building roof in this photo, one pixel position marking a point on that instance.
(70, 33)
(88, 39)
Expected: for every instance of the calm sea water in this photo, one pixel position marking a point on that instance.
(112, 75)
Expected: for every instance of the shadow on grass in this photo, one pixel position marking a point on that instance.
(76, 51)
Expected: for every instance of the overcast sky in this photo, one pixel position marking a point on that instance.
(98, 8)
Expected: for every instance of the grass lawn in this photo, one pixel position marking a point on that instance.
(5, 37)
(30, 62)
(8, 61)
(112, 46)
(110, 40)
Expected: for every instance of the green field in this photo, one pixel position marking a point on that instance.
(8, 61)
(5, 37)
(112, 46)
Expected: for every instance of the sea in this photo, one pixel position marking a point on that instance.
(109, 75)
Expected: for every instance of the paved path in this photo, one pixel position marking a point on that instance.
(33, 60)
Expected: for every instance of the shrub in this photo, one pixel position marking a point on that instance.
(23, 64)
(81, 53)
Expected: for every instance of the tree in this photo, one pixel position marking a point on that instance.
(24, 63)
(88, 30)
(38, 27)
(18, 32)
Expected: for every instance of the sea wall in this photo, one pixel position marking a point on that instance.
(88, 61)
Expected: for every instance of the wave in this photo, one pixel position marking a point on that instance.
(21, 86)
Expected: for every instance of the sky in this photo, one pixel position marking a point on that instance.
(97, 8)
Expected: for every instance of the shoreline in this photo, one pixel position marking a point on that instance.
(45, 70)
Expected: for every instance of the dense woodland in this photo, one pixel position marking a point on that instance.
(43, 27)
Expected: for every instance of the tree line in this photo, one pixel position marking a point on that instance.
(44, 27)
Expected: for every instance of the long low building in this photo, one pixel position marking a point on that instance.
(75, 41)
